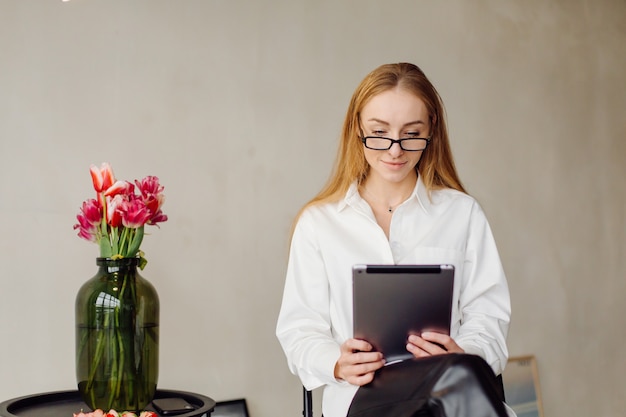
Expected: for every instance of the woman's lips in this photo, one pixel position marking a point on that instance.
(394, 165)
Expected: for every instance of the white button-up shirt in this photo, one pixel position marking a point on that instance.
(449, 227)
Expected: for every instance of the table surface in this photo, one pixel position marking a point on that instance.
(66, 403)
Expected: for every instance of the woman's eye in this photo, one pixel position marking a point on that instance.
(378, 132)
(412, 135)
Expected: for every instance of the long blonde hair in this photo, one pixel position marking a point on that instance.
(436, 165)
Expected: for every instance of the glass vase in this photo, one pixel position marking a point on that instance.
(117, 337)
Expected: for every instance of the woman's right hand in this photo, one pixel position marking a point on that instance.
(357, 362)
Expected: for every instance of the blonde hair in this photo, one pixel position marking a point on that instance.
(436, 165)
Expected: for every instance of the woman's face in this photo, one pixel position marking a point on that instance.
(394, 114)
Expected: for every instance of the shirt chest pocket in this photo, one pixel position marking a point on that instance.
(437, 256)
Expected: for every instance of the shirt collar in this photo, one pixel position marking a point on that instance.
(420, 193)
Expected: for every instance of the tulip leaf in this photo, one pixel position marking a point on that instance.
(134, 244)
(105, 248)
(142, 261)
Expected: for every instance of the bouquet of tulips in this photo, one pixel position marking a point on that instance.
(113, 413)
(115, 219)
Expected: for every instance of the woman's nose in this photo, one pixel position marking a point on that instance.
(395, 149)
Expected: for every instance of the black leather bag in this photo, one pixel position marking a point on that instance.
(452, 385)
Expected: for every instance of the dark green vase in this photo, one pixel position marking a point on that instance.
(117, 337)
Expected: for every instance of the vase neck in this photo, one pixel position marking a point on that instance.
(116, 265)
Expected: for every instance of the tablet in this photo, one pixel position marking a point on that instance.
(391, 302)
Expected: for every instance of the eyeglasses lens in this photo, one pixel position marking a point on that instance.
(409, 144)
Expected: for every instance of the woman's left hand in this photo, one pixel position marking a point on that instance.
(431, 343)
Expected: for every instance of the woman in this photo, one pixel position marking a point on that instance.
(394, 198)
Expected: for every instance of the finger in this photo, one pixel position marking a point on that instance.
(418, 341)
(439, 338)
(416, 351)
(356, 345)
(368, 360)
(366, 368)
(444, 341)
(362, 374)
(416, 345)
(360, 380)
(348, 370)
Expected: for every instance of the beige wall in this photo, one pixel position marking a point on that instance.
(237, 105)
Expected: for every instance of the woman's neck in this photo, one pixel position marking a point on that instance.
(387, 195)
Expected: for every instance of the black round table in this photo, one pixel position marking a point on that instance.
(66, 403)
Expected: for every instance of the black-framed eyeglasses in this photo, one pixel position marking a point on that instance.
(380, 143)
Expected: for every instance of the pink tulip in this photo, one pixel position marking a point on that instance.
(120, 187)
(102, 177)
(148, 414)
(85, 234)
(149, 186)
(89, 220)
(115, 210)
(158, 217)
(83, 223)
(135, 214)
(154, 202)
(95, 413)
(151, 194)
(92, 211)
(90, 234)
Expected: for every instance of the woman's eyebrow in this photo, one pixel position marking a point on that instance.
(382, 122)
(416, 122)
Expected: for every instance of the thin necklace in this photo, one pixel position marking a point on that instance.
(390, 208)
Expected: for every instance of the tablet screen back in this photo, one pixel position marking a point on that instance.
(390, 302)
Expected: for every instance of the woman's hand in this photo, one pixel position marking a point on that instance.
(431, 343)
(357, 362)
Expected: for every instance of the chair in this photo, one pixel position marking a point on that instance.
(307, 400)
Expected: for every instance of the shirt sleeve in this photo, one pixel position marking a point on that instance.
(304, 325)
(484, 299)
